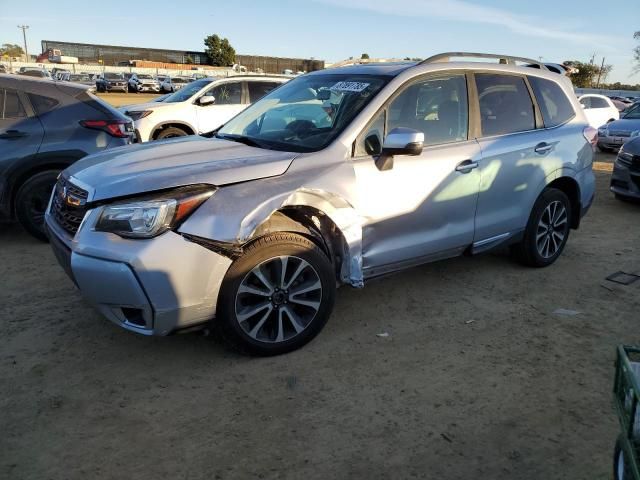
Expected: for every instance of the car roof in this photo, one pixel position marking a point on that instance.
(41, 86)
(390, 68)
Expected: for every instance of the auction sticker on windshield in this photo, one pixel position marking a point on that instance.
(349, 87)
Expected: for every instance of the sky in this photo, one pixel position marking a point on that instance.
(333, 30)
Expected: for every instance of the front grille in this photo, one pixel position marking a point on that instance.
(69, 205)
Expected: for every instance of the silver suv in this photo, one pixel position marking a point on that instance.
(335, 177)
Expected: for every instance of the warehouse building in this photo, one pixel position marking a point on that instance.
(119, 55)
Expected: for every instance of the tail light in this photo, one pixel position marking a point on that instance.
(115, 128)
(591, 135)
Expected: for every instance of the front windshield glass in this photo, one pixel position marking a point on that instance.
(146, 77)
(79, 78)
(113, 76)
(188, 91)
(305, 114)
(633, 114)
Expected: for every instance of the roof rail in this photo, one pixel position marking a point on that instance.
(509, 59)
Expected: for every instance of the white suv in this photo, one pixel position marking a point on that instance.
(199, 107)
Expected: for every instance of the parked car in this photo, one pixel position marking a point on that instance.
(3, 69)
(621, 106)
(35, 73)
(140, 82)
(173, 84)
(614, 134)
(625, 179)
(111, 82)
(199, 107)
(45, 127)
(556, 68)
(336, 177)
(598, 109)
(81, 78)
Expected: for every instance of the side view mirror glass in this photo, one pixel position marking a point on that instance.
(206, 100)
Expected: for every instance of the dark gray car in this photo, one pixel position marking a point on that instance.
(44, 127)
(625, 180)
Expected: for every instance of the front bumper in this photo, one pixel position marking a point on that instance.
(611, 142)
(148, 88)
(152, 287)
(116, 88)
(625, 180)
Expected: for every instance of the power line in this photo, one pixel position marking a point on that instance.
(24, 37)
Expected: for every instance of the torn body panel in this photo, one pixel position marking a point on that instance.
(236, 212)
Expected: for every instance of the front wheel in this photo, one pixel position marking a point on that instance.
(547, 230)
(32, 200)
(277, 296)
(171, 132)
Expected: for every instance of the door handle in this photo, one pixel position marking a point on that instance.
(466, 166)
(543, 148)
(9, 134)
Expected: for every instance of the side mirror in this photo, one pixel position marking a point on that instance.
(206, 100)
(399, 141)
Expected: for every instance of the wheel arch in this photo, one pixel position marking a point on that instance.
(172, 123)
(569, 186)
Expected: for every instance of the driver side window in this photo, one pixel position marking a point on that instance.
(438, 107)
(227, 93)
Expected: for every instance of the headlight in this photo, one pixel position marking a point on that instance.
(147, 218)
(138, 115)
(603, 132)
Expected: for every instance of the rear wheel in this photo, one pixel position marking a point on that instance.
(171, 132)
(547, 230)
(277, 296)
(32, 200)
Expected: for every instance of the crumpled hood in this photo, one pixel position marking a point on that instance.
(177, 162)
(624, 125)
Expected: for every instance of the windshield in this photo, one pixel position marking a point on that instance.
(305, 114)
(633, 114)
(145, 77)
(79, 78)
(113, 76)
(185, 93)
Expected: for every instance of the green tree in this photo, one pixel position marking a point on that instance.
(219, 51)
(587, 74)
(11, 50)
(365, 56)
(188, 60)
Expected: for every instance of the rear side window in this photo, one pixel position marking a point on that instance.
(505, 104)
(258, 90)
(556, 107)
(42, 104)
(11, 105)
(597, 102)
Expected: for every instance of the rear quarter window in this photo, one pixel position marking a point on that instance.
(554, 104)
(42, 104)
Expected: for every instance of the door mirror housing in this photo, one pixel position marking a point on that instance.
(399, 141)
(206, 100)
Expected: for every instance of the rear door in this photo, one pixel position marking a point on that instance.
(228, 102)
(517, 155)
(20, 130)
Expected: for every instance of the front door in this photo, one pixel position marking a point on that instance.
(422, 208)
(227, 104)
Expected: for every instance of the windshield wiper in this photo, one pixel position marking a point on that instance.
(241, 139)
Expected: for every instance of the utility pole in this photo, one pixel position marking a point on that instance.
(600, 74)
(24, 37)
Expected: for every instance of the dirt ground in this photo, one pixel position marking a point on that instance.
(118, 99)
(477, 379)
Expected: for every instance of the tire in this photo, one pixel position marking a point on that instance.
(620, 465)
(31, 202)
(171, 132)
(283, 323)
(532, 250)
